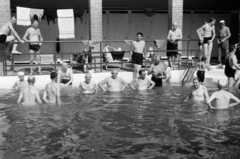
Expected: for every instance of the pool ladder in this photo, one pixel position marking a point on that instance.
(188, 75)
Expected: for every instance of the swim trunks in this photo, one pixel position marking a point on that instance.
(3, 38)
(201, 75)
(229, 72)
(34, 47)
(137, 58)
(199, 43)
(171, 46)
(64, 81)
(205, 40)
(158, 81)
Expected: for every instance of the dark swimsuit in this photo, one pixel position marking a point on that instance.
(201, 75)
(34, 47)
(206, 39)
(137, 58)
(64, 81)
(229, 72)
(158, 81)
(3, 38)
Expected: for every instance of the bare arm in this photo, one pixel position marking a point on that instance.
(124, 83)
(210, 100)
(214, 34)
(58, 95)
(59, 77)
(15, 85)
(168, 37)
(80, 87)
(45, 97)
(206, 94)
(199, 30)
(14, 32)
(25, 35)
(95, 88)
(152, 84)
(20, 97)
(144, 49)
(38, 98)
(40, 36)
(180, 35)
(150, 71)
(71, 78)
(100, 84)
(228, 35)
(235, 62)
(131, 84)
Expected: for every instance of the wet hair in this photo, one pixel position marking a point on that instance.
(232, 48)
(196, 78)
(141, 72)
(203, 58)
(107, 45)
(211, 20)
(53, 75)
(31, 79)
(140, 33)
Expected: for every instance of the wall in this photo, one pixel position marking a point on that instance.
(124, 25)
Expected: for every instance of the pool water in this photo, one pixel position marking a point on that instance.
(154, 124)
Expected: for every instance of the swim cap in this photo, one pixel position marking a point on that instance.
(20, 73)
(222, 21)
(222, 83)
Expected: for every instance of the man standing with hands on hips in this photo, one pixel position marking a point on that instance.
(222, 39)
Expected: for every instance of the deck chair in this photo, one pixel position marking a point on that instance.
(47, 59)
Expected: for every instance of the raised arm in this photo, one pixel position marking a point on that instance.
(20, 97)
(152, 84)
(14, 32)
(100, 84)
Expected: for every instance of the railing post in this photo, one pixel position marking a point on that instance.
(55, 62)
(101, 67)
(187, 50)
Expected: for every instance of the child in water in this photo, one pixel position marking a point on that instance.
(202, 66)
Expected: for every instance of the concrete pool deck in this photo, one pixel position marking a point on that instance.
(6, 82)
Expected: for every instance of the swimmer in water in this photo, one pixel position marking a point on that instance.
(142, 82)
(21, 83)
(199, 92)
(88, 86)
(29, 94)
(65, 75)
(52, 90)
(222, 97)
(114, 83)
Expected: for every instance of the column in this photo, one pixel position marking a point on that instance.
(96, 22)
(175, 14)
(5, 12)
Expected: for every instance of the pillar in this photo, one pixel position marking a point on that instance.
(96, 22)
(175, 14)
(5, 12)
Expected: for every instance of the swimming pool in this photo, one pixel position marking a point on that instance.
(129, 125)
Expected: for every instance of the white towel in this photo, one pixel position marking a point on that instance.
(66, 23)
(37, 12)
(23, 16)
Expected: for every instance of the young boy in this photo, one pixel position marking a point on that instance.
(168, 71)
(202, 66)
(21, 83)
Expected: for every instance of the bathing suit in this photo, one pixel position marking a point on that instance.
(158, 81)
(137, 58)
(206, 39)
(201, 75)
(229, 72)
(3, 38)
(34, 47)
(171, 46)
(199, 43)
(64, 81)
(117, 55)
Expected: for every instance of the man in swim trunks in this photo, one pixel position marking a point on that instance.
(65, 75)
(114, 83)
(88, 86)
(174, 35)
(207, 37)
(158, 71)
(198, 92)
(141, 82)
(222, 39)
(34, 34)
(231, 66)
(138, 50)
(222, 97)
(52, 90)
(21, 83)
(7, 28)
(29, 94)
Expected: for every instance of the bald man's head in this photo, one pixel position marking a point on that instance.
(64, 65)
(174, 25)
(31, 79)
(114, 73)
(88, 77)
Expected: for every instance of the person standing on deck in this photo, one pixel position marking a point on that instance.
(52, 90)
(232, 68)
(198, 91)
(207, 38)
(222, 97)
(138, 50)
(29, 94)
(65, 75)
(34, 35)
(222, 39)
(7, 28)
(21, 83)
(114, 83)
(174, 35)
(142, 82)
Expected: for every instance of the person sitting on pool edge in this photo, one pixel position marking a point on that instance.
(198, 91)
(89, 69)
(142, 82)
(222, 97)
(29, 94)
(65, 75)
(21, 83)
(157, 70)
(52, 90)
(168, 71)
(114, 83)
(88, 86)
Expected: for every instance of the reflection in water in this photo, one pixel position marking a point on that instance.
(131, 124)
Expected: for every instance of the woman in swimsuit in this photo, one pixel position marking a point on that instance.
(207, 37)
